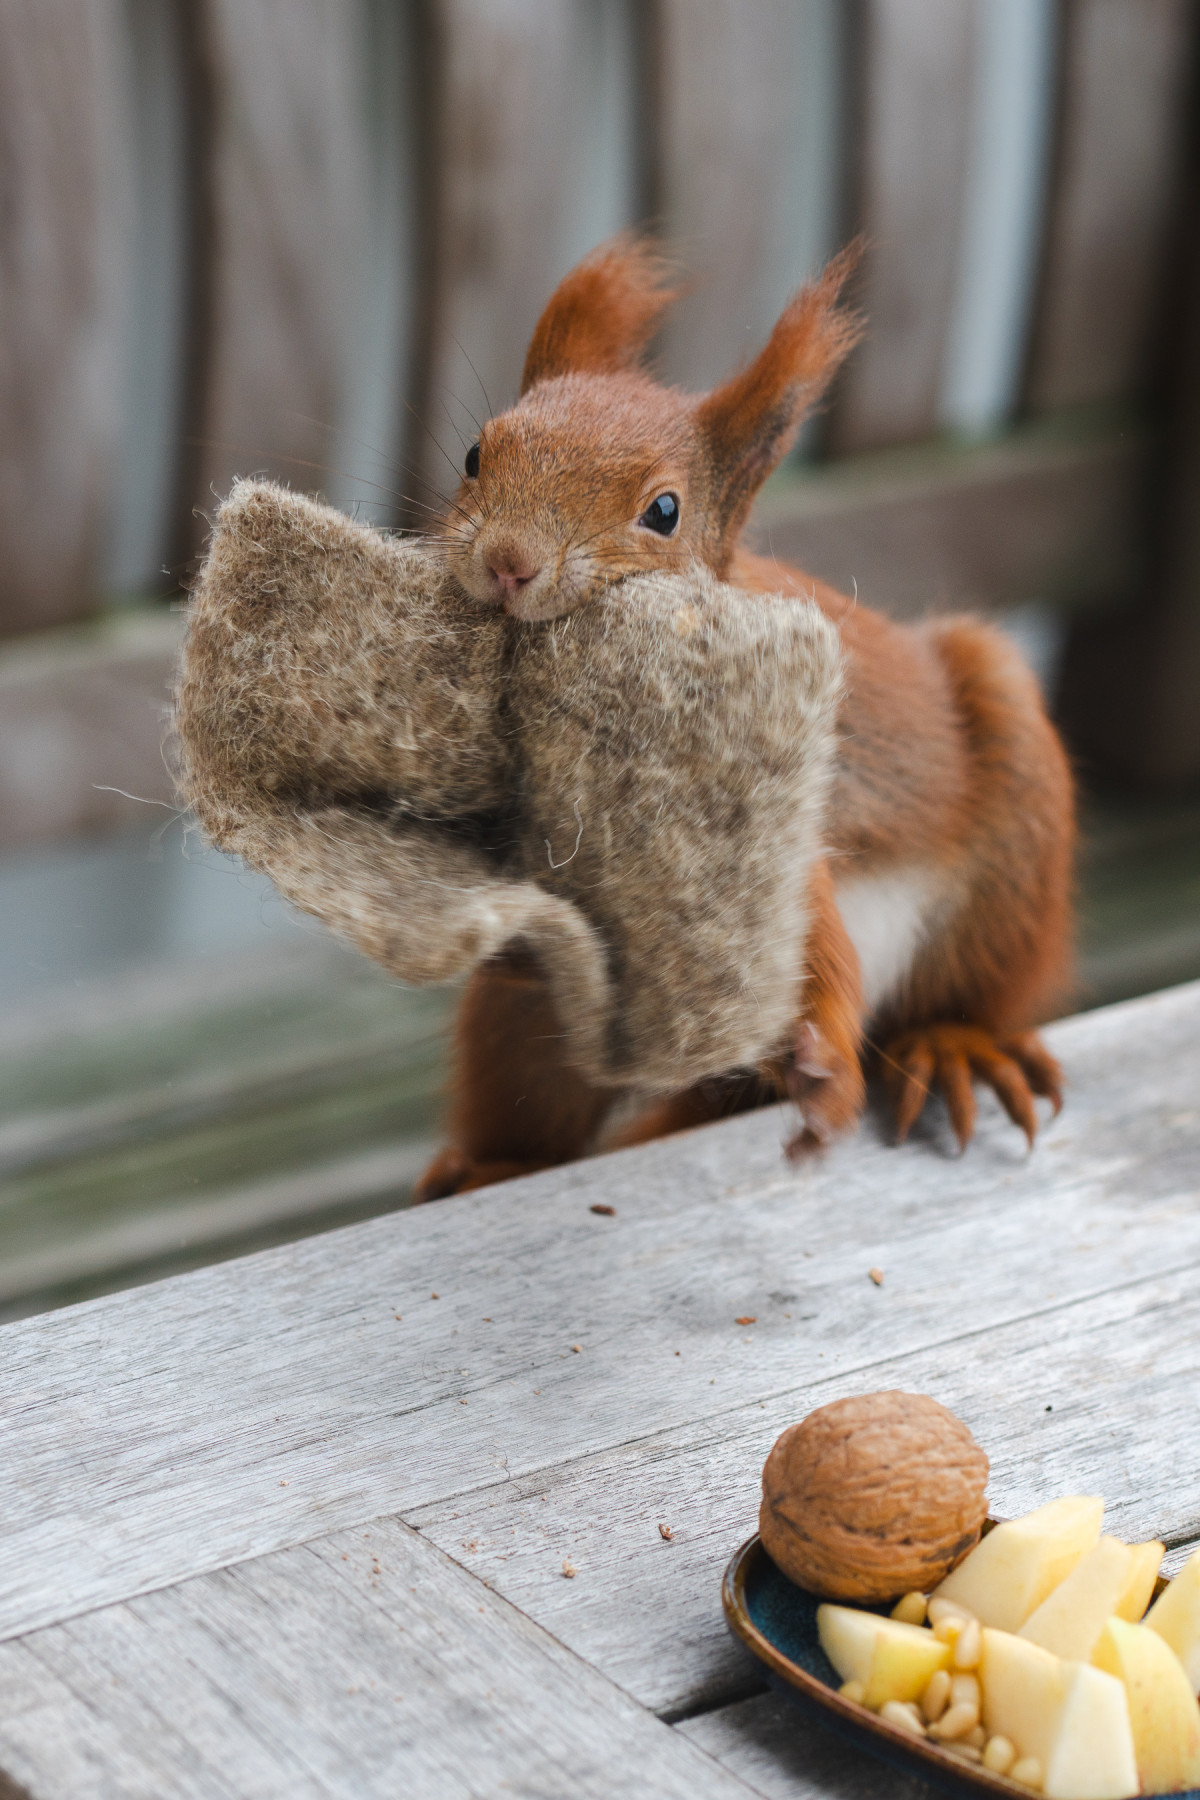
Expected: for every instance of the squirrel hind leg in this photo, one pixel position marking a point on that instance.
(952, 1058)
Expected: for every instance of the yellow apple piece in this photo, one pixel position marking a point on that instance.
(1145, 1562)
(1162, 1707)
(1017, 1564)
(1175, 1616)
(1070, 1619)
(892, 1660)
(1073, 1718)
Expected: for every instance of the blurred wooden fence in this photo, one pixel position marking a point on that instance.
(311, 237)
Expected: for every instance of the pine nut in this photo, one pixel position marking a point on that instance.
(1028, 1772)
(969, 1647)
(903, 1714)
(946, 1609)
(910, 1609)
(999, 1755)
(936, 1697)
(955, 1722)
(948, 1629)
(964, 1691)
(853, 1690)
(968, 1752)
(977, 1738)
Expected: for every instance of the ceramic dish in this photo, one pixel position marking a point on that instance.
(777, 1622)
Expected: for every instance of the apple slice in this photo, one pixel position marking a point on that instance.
(892, 1660)
(1072, 1717)
(1070, 1619)
(1017, 1564)
(1146, 1560)
(1162, 1707)
(1175, 1616)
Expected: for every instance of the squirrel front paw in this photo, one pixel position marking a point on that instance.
(826, 1081)
(1015, 1066)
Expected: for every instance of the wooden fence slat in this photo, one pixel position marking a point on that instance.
(1131, 678)
(1123, 89)
(526, 174)
(283, 173)
(911, 128)
(60, 301)
(145, 484)
(748, 95)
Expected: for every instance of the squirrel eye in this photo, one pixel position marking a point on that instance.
(662, 515)
(472, 463)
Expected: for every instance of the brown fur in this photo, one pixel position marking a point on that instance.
(946, 760)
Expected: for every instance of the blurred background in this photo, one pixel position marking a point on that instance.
(311, 238)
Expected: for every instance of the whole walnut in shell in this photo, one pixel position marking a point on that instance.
(873, 1497)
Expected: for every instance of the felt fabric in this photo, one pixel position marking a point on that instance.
(633, 791)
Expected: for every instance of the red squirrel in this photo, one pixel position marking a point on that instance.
(941, 912)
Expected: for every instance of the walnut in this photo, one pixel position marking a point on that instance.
(873, 1497)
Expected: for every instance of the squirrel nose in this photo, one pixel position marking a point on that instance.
(512, 570)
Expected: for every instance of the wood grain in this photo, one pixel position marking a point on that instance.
(749, 97)
(364, 1664)
(146, 1437)
(283, 182)
(912, 133)
(60, 298)
(1123, 96)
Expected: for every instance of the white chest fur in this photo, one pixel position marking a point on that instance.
(888, 917)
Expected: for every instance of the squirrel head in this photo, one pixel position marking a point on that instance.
(599, 471)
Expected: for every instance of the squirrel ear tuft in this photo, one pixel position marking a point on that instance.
(750, 422)
(602, 315)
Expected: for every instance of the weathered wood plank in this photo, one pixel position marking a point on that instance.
(1053, 513)
(911, 133)
(532, 159)
(1128, 694)
(283, 173)
(363, 1664)
(171, 1418)
(60, 296)
(1013, 82)
(748, 102)
(783, 1754)
(155, 252)
(1097, 1397)
(1124, 87)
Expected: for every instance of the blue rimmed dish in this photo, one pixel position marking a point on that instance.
(776, 1621)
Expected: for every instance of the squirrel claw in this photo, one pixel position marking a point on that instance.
(951, 1058)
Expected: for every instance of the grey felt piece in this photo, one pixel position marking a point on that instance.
(633, 791)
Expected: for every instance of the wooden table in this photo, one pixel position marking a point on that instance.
(379, 1513)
